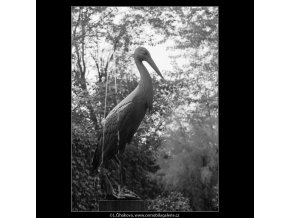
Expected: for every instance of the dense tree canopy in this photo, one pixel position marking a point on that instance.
(173, 157)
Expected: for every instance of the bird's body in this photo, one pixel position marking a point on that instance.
(123, 121)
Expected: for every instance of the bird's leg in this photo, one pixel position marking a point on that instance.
(110, 192)
(109, 186)
(121, 170)
(115, 162)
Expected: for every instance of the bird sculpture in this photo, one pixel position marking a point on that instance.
(123, 121)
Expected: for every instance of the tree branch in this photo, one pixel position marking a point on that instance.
(98, 68)
(79, 59)
(75, 29)
(83, 48)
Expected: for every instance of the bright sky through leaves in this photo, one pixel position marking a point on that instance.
(160, 56)
(159, 53)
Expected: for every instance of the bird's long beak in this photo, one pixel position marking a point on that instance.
(153, 65)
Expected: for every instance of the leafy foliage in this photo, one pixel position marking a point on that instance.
(84, 196)
(174, 201)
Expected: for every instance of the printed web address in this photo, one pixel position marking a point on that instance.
(144, 215)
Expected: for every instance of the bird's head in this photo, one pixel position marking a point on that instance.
(142, 54)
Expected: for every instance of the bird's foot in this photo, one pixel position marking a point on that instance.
(112, 196)
(124, 193)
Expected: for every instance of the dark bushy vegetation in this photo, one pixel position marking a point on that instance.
(84, 196)
(174, 201)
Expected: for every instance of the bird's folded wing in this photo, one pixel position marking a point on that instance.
(118, 120)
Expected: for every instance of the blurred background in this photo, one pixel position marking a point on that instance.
(172, 162)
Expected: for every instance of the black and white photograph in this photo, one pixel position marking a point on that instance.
(144, 108)
(144, 111)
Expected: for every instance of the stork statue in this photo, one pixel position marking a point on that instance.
(123, 121)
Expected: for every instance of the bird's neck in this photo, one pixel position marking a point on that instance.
(145, 85)
(145, 80)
